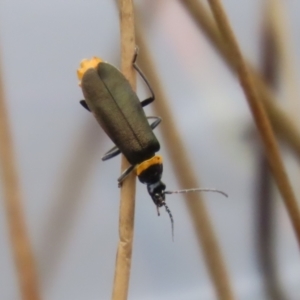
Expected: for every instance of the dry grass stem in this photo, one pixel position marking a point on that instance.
(127, 205)
(22, 252)
(260, 117)
(279, 22)
(280, 120)
(187, 178)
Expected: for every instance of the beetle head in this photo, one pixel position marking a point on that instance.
(157, 192)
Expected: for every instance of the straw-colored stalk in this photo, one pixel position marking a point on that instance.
(279, 21)
(21, 248)
(187, 178)
(127, 205)
(260, 117)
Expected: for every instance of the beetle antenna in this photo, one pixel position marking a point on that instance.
(196, 190)
(171, 218)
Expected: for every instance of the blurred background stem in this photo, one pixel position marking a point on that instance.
(265, 226)
(206, 237)
(20, 242)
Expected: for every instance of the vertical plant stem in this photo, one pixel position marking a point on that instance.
(260, 117)
(187, 178)
(127, 205)
(22, 252)
(280, 23)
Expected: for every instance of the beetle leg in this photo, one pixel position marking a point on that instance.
(83, 103)
(156, 122)
(147, 101)
(152, 98)
(136, 53)
(124, 175)
(157, 208)
(111, 153)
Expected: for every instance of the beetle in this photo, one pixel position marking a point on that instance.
(118, 110)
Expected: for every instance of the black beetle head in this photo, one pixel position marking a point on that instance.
(157, 192)
(149, 172)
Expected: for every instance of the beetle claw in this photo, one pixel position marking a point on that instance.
(136, 53)
(157, 208)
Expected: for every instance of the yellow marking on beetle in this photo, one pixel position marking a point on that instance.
(87, 64)
(155, 160)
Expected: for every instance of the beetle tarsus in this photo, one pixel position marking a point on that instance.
(83, 103)
(152, 98)
(157, 209)
(125, 174)
(155, 123)
(111, 153)
(136, 53)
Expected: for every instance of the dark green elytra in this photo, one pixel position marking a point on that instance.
(118, 110)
